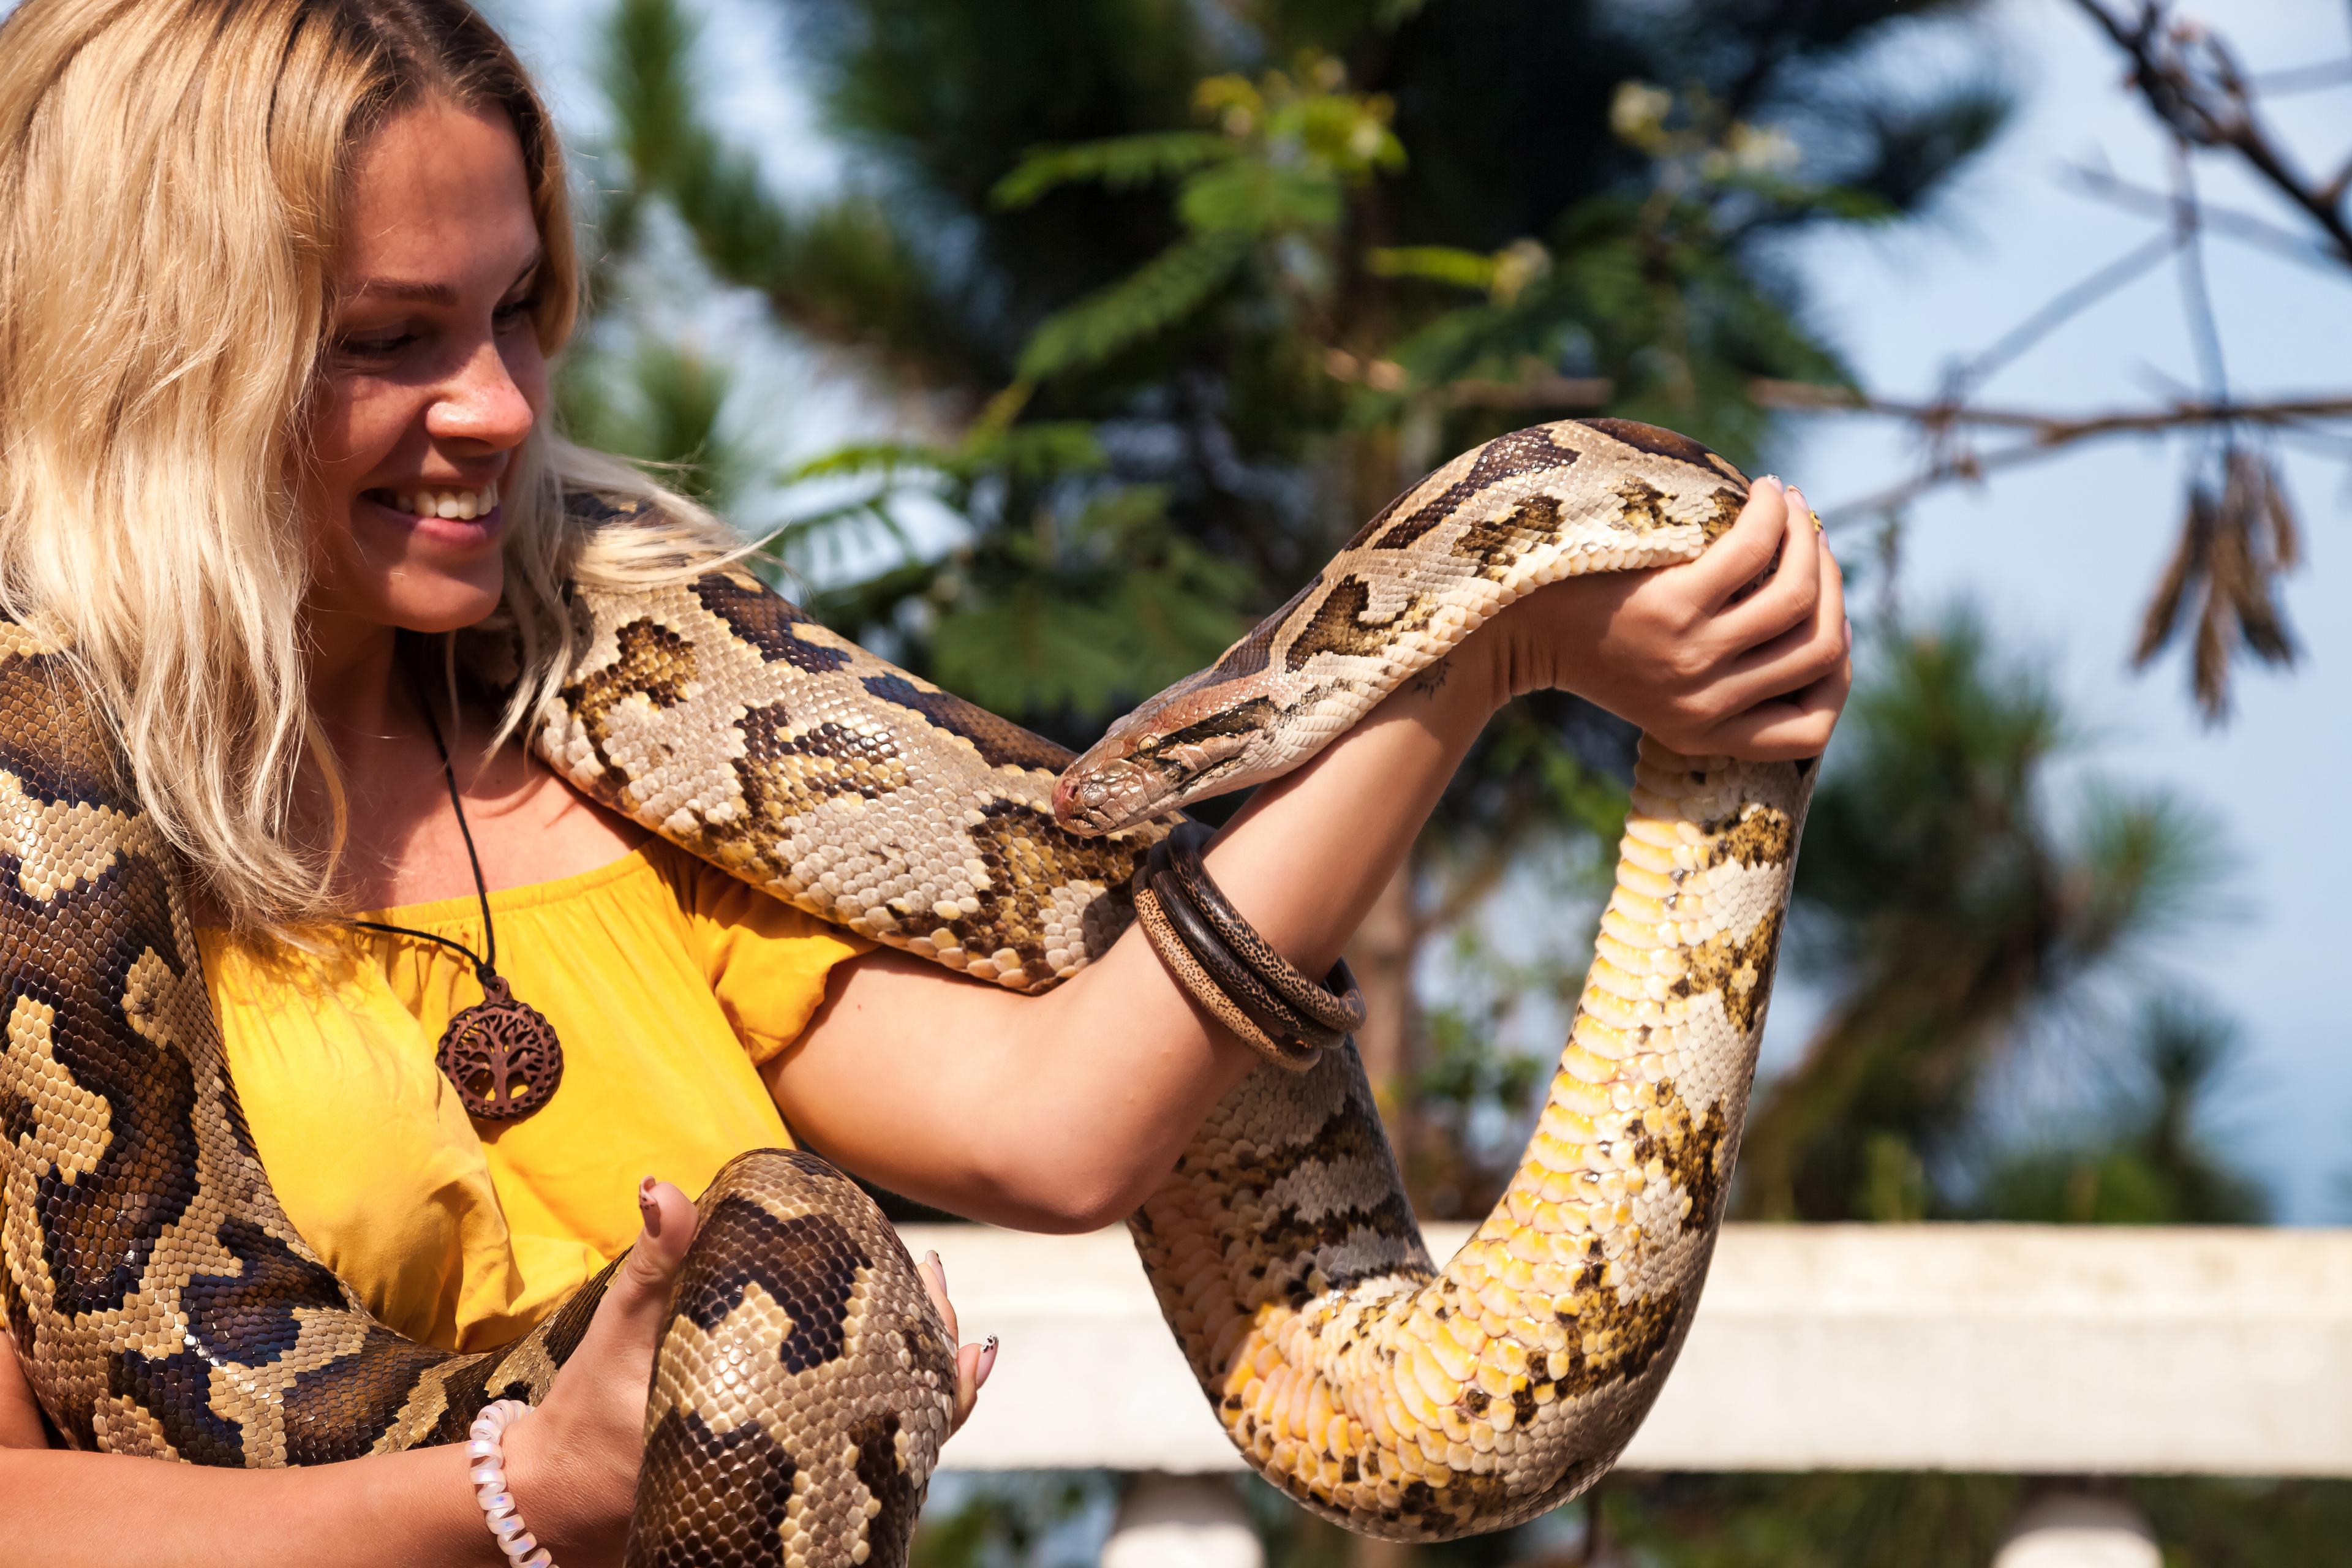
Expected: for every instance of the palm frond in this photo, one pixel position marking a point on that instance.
(1166, 289)
(1121, 163)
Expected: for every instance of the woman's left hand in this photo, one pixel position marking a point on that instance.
(1688, 652)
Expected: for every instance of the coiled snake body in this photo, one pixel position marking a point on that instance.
(163, 1305)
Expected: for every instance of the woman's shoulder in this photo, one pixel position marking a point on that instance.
(730, 912)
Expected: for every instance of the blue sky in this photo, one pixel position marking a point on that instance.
(2060, 554)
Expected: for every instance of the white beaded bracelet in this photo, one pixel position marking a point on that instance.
(486, 1457)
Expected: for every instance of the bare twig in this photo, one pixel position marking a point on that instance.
(2068, 304)
(2327, 442)
(2195, 299)
(2301, 79)
(2044, 433)
(2101, 184)
(1970, 466)
(2049, 429)
(2192, 82)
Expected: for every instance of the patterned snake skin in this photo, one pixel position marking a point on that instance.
(162, 1304)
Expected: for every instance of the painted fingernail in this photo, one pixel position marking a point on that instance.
(987, 1362)
(648, 1208)
(937, 1267)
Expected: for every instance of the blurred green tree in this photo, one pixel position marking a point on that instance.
(1948, 904)
(1821, 1521)
(1896, 1521)
(2145, 1162)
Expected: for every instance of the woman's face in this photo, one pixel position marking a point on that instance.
(433, 377)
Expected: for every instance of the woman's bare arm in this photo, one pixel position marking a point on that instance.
(20, 1417)
(1062, 1112)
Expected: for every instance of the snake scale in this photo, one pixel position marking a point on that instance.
(162, 1304)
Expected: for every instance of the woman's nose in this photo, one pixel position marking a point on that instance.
(484, 403)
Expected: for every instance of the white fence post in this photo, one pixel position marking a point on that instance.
(2074, 1529)
(1181, 1522)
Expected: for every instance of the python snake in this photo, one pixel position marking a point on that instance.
(162, 1304)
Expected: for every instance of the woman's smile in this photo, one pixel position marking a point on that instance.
(452, 515)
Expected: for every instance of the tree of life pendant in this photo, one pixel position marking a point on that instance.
(501, 1053)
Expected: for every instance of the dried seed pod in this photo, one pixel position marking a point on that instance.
(2237, 540)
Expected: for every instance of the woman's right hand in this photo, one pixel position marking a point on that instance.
(573, 1463)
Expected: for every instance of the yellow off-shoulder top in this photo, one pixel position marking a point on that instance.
(668, 983)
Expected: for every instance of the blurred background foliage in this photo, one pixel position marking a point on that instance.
(1167, 296)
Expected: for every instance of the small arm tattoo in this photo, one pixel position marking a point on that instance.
(1429, 682)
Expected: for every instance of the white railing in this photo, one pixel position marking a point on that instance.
(2008, 1347)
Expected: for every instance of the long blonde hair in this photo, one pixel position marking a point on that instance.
(172, 175)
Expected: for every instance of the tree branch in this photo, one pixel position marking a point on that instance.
(2057, 312)
(2045, 433)
(2195, 299)
(2103, 185)
(2048, 429)
(2303, 78)
(2214, 107)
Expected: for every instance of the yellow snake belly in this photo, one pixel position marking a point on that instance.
(1417, 1405)
(162, 1304)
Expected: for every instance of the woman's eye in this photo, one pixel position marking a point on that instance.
(375, 348)
(514, 310)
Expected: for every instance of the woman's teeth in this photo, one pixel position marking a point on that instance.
(462, 504)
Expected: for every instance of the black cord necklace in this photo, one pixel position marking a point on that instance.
(501, 1053)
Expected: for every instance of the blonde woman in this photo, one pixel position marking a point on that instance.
(279, 280)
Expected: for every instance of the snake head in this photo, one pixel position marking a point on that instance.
(1107, 797)
(1176, 749)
